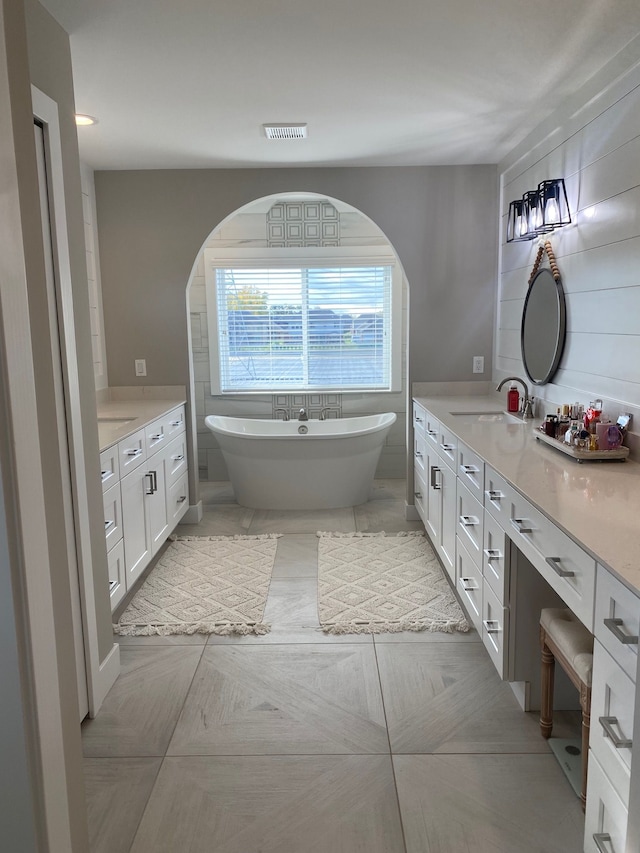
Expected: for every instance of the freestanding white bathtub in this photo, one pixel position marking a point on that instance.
(277, 465)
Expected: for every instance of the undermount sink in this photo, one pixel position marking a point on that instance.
(497, 416)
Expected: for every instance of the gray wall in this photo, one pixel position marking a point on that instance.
(441, 221)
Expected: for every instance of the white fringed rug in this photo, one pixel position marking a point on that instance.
(204, 585)
(371, 583)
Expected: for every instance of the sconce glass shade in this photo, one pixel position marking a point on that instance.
(554, 204)
(533, 213)
(516, 222)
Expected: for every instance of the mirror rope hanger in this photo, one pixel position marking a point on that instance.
(545, 247)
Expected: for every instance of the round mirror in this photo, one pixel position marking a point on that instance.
(543, 327)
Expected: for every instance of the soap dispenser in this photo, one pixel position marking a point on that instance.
(513, 399)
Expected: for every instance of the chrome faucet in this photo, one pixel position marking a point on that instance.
(285, 414)
(302, 415)
(323, 413)
(527, 408)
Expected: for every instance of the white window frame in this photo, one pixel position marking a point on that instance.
(215, 259)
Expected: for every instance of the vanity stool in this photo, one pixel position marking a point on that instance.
(564, 638)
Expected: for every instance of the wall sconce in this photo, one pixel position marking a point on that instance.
(538, 211)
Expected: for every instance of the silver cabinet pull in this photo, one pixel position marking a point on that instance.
(135, 452)
(469, 469)
(418, 454)
(176, 423)
(492, 554)
(599, 839)
(520, 525)
(494, 495)
(108, 524)
(469, 520)
(418, 495)
(447, 447)
(157, 437)
(112, 584)
(614, 626)
(105, 475)
(488, 622)
(432, 432)
(419, 420)
(150, 490)
(607, 724)
(178, 458)
(472, 585)
(182, 499)
(434, 483)
(554, 562)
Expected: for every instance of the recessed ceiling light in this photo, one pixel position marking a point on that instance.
(85, 120)
(285, 131)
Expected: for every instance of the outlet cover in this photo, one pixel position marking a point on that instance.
(478, 364)
(141, 367)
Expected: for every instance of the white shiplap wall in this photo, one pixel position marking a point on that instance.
(596, 148)
(248, 229)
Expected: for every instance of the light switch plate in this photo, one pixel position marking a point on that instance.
(478, 364)
(141, 367)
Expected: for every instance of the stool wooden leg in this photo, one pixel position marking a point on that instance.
(585, 703)
(546, 703)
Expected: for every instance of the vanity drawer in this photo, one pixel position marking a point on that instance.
(420, 495)
(112, 515)
(117, 575)
(131, 452)
(469, 583)
(448, 447)
(175, 422)
(612, 701)
(420, 454)
(431, 429)
(109, 467)
(155, 436)
(419, 419)
(606, 814)
(178, 499)
(495, 628)
(469, 519)
(621, 609)
(471, 470)
(497, 493)
(564, 565)
(176, 459)
(495, 558)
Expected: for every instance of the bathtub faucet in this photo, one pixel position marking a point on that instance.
(302, 415)
(285, 414)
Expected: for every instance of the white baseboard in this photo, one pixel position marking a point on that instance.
(410, 512)
(522, 692)
(107, 674)
(193, 515)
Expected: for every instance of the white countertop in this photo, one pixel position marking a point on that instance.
(118, 419)
(596, 503)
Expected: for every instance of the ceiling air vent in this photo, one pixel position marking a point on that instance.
(285, 131)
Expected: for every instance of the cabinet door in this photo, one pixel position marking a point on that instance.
(136, 525)
(156, 497)
(433, 509)
(448, 522)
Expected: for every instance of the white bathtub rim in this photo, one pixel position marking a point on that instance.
(278, 430)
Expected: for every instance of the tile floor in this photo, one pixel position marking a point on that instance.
(301, 742)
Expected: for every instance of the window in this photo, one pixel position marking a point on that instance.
(305, 319)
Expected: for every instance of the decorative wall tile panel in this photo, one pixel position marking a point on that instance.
(293, 224)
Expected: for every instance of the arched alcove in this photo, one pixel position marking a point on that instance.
(287, 219)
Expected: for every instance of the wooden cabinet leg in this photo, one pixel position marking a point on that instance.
(546, 703)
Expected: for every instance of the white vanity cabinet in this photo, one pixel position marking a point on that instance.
(613, 712)
(149, 499)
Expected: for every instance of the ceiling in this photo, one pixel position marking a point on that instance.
(189, 83)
